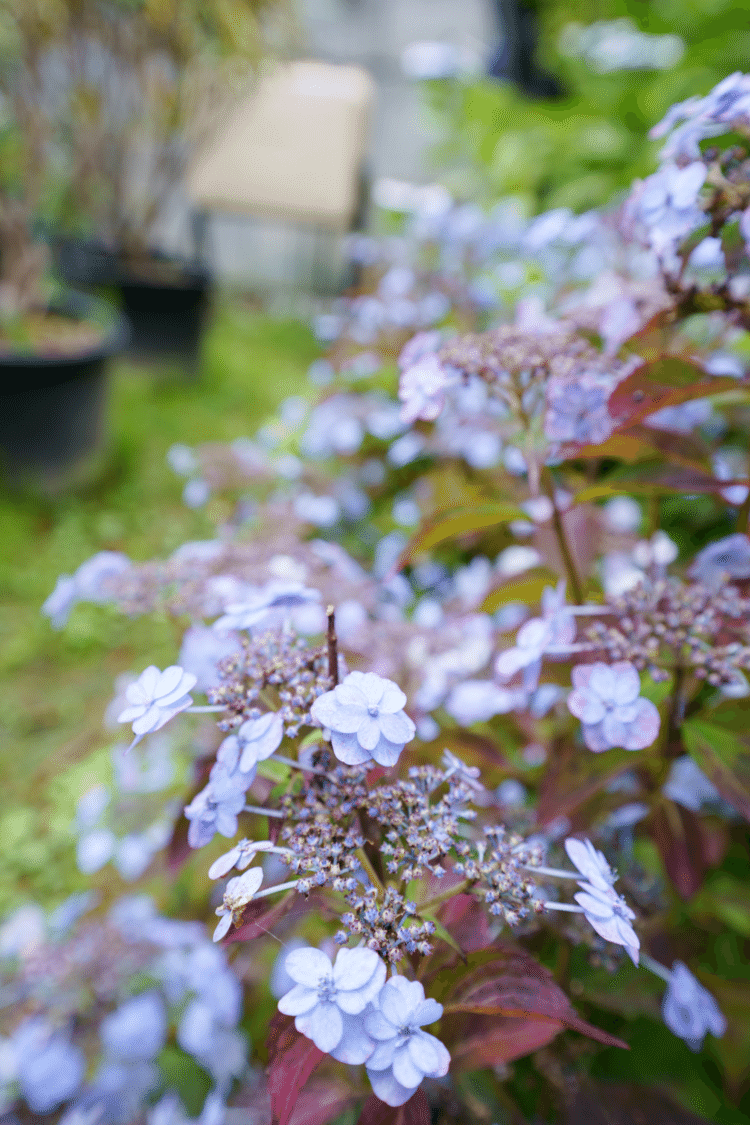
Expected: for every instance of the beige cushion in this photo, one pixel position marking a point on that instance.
(292, 149)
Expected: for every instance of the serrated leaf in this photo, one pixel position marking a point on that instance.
(455, 522)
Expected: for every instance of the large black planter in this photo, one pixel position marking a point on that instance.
(165, 299)
(166, 304)
(52, 407)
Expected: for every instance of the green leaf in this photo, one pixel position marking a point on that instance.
(274, 771)
(528, 589)
(726, 898)
(457, 522)
(719, 742)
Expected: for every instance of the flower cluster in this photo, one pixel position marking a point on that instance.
(351, 1012)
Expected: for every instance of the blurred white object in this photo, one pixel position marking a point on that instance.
(293, 148)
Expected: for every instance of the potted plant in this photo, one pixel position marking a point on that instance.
(53, 346)
(137, 83)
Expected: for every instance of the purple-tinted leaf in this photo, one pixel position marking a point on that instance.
(414, 1112)
(723, 753)
(291, 1060)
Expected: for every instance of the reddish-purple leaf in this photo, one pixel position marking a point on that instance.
(573, 776)
(688, 846)
(322, 1101)
(466, 920)
(501, 1040)
(291, 1060)
(666, 381)
(514, 984)
(414, 1112)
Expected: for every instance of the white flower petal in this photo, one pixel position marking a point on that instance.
(397, 727)
(223, 927)
(354, 968)
(307, 966)
(355, 1046)
(404, 1069)
(324, 1024)
(387, 1088)
(347, 749)
(298, 1001)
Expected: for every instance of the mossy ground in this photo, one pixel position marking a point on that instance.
(56, 685)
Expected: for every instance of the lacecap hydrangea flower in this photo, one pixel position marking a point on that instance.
(328, 999)
(155, 698)
(366, 719)
(606, 698)
(689, 1010)
(404, 1054)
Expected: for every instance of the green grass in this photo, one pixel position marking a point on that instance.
(56, 685)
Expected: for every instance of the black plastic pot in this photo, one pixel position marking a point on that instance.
(52, 407)
(167, 305)
(166, 299)
(85, 263)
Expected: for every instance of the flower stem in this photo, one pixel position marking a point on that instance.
(576, 588)
(369, 870)
(263, 812)
(563, 906)
(436, 900)
(554, 872)
(274, 890)
(655, 967)
(297, 765)
(333, 658)
(203, 710)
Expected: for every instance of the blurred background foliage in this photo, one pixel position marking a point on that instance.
(580, 150)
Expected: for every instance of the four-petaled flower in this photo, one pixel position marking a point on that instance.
(155, 698)
(258, 738)
(689, 1009)
(366, 719)
(404, 1054)
(555, 629)
(328, 1000)
(237, 894)
(607, 701)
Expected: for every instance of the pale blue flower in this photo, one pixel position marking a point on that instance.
(606, 698)
(137, 1030)
(604, 910)
(258, 739)
(88, 584)
(728, 557)
(210, 812)
(50, 1068)
(328, 1000)
(155, 698)
(555, 629)
(366, 719)
(689, 1010)
(404, 1054)
(260, 608)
